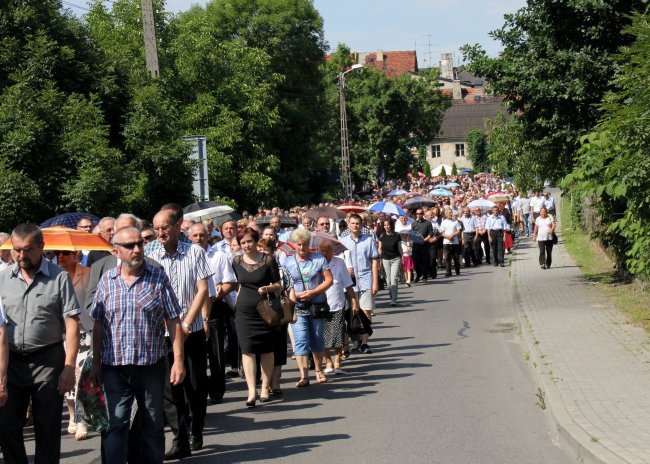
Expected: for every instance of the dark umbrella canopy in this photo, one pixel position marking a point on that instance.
(200, 210)
(418, 202)
(328, 211)
(285, 221)
(234, 216)
(69, 220)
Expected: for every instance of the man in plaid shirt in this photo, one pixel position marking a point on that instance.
(133, 306)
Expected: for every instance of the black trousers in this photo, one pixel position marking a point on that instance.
(497, 245)
(433, 260)
(545, 250)
(468, 248)
(421, 260)
(232, 355)
(33, 376)
(450, 252)
(185, 404)
(482, 239)
(216, 352)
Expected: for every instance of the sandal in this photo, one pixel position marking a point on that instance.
(82, 432)
(72, 428)
(320, 377)
(303, 383)
(345, 355)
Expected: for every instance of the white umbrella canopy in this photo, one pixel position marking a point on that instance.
(482, 204)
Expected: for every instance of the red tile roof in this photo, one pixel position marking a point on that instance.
(394, 64)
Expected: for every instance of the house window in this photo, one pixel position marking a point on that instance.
(435, 151)
(460, 149)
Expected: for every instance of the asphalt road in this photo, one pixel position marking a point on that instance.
(447, 383)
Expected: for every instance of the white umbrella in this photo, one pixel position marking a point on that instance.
(482, 204)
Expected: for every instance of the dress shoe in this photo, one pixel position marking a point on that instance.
(177, 453)
(196, 444)
(250, 404)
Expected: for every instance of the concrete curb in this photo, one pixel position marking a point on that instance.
(569, 434)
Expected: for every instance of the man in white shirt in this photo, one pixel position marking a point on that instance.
(536, 204)
(450, 230)
(524, 206)
(403, 223)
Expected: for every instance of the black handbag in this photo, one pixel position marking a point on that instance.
(319, 310)
(554, 238)
(316, 310)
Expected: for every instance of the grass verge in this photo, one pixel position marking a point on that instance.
(629, 297)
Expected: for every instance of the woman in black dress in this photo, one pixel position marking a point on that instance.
(257, 275)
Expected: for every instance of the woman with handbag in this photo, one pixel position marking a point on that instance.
(543, 233)
(311, 278)
(258, 278)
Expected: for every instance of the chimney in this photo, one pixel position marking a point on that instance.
(456, 91)
(447, 66)
(380, 55)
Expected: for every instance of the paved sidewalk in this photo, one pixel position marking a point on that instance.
(594, 367)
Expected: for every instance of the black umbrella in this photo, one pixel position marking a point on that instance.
(285, 221)
(418, 202)
(234, 216)
(200, 210)
(69, 220)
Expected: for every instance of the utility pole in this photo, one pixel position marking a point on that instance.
(150, 48)
(346, 175)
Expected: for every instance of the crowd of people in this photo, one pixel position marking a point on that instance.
(177, 307)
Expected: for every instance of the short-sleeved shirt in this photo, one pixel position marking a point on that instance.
(497, 222)
(544, 228)
(424, 227)
(536, 203)
(184, 269)
(35, 313)
(307, 274)
(524, 205)
(336, 293)
(469, 224)
(359, 256)
(450, 226)
(222, 271)
(133, 318)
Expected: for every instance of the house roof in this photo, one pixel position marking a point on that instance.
(460, 118)
(393, 64)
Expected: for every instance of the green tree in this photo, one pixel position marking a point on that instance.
(613, 164)
(454, 169)
(443, 172)
(477, 150)
(555, 67)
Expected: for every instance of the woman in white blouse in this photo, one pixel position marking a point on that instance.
(543, 233)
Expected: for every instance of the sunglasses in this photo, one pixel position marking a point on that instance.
(132, 245)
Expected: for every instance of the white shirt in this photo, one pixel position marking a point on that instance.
(450, 226)
(544, 228)
(536, 203)
(336, 293)
(549, 203)
(400, 227)
(222, 269)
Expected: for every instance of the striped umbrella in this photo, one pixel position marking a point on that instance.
(351, 208)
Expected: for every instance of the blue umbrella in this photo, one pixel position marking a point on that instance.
(441, 193)
(396, 192)
(69, 220)
(386, 207)
(465, 171)
(452, 185)
(440, 186)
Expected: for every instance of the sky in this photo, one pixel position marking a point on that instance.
(431, 27)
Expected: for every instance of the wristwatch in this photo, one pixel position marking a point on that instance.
(185, 325)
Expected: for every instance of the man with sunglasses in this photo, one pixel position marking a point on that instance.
(133, 306)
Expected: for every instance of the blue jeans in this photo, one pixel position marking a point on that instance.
(308, 335)
(144, 384)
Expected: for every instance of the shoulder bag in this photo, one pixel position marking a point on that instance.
(316, 310)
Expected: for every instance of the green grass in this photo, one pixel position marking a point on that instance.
(629, 297)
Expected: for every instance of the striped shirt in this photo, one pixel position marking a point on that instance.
(481, 221)
(133, 318)
(184, 269)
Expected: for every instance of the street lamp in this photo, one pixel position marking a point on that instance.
(345, 149)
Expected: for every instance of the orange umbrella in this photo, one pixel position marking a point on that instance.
(65, 239)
